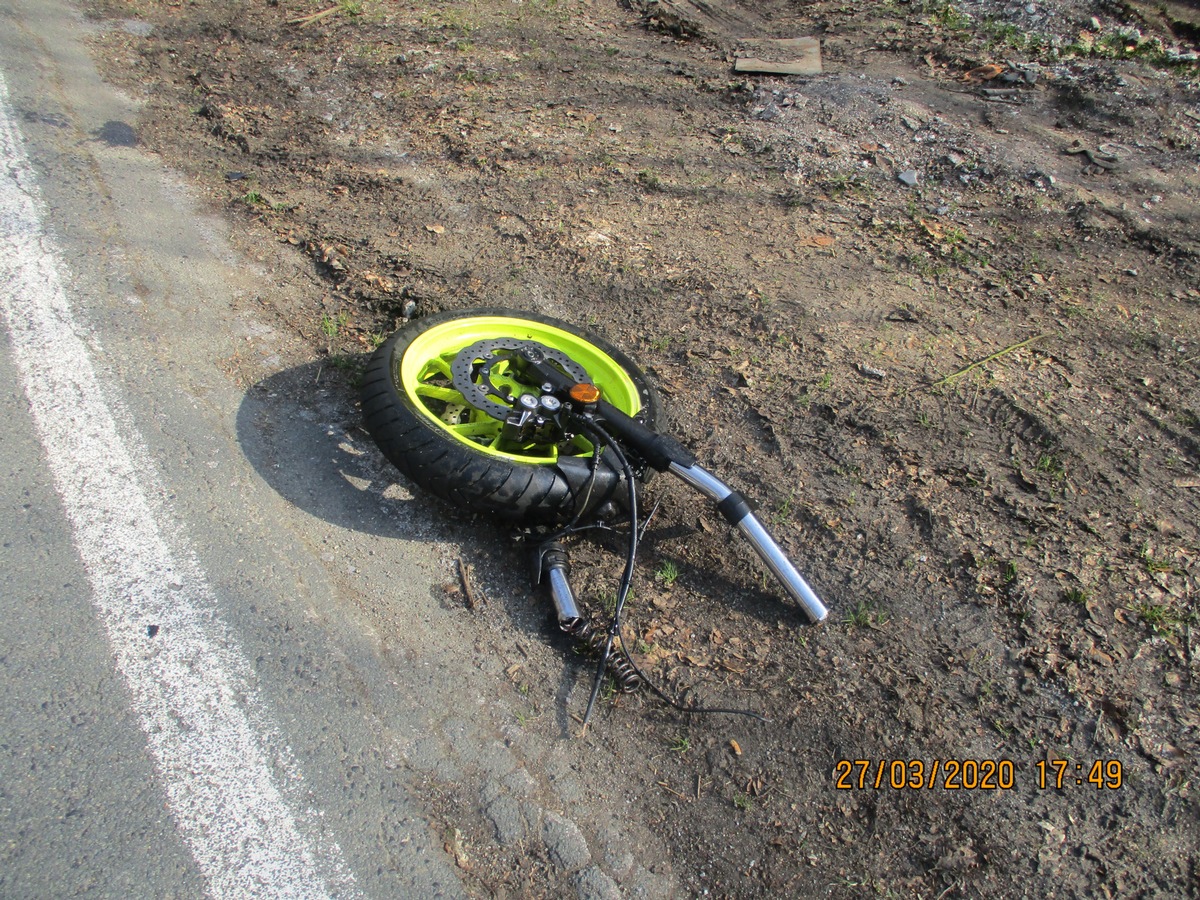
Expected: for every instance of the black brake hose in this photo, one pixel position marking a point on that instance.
(614, 628)
(572, 525)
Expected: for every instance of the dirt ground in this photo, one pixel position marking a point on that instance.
(942, 321)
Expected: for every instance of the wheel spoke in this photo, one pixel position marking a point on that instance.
(435, 392)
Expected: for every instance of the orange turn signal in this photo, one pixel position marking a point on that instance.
(584, 393)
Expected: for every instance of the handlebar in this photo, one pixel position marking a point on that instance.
(738, 512)
(666, 454)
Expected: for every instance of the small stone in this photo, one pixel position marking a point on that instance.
(908, 177)
(565, 842)
(593, 884)
(504, 813)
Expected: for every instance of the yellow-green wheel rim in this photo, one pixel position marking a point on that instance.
(424, 376)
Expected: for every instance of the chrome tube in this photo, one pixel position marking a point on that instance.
(706, 483)
(562, 595)
(762, 542)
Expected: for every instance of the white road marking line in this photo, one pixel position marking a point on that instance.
(191, 689)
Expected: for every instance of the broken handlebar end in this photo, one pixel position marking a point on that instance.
(551, 563)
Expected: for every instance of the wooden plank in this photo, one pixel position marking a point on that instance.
(796, 56)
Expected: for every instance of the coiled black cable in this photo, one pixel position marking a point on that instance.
(598, 435)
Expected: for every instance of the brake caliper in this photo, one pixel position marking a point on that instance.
(492, 376)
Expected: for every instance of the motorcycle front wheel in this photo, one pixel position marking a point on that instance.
(432, 433)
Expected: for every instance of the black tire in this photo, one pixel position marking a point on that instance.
(476, 480)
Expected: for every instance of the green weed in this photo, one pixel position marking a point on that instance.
(331, 326)
(1051, 464)
(866, 615)
(1155, 564)
(783, 512)
(1164, 620)
(649, 180)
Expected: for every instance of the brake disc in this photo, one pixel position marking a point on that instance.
(473, 366)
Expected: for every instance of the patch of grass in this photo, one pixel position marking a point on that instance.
(331, 326)
(608, 602)
(649, 180)
(845, 185)
(743, 802)
(471, 76)
(866, 614)
(680, 744)
(1164, 620)
(1187, 419)
(1076, 595)
(1122, 43)
(453, 21)
(947, 15)
(1051, 464)
(1155, 564)
(783, 512)
(667, 573)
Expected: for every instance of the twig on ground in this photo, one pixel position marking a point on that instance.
(305, 21)
(464, 572)
(987, 359)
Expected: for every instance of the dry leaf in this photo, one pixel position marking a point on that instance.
(436, 229)
(817, 240)
(983, 73)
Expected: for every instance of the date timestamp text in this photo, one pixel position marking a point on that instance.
(972, 774)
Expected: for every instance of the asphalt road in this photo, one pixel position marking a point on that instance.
(184, 675)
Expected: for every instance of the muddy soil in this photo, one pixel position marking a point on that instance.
(935, 308)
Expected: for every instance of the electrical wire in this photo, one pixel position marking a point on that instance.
(615, 625)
